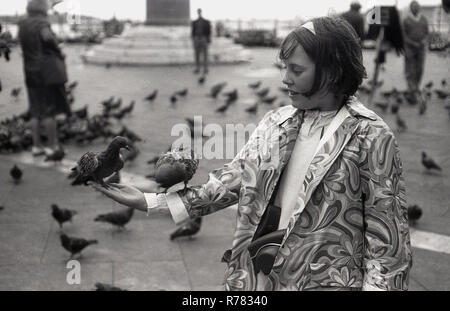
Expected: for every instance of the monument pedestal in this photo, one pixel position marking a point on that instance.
(161, 45)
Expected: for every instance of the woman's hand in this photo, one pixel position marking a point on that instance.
(123, 194)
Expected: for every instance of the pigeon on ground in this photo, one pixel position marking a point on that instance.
(182, 92)
(429, 85)
(443, 82)
(16, 174)
(56, 156)
(429, 163)
(263, 93)
(232, 96)
(175, 167)
(15, 92)
(441, 94)
(97, 166)
(1, 87)
(422, 107)
(201, 80)
(253, 109)
(226, 256)
(269, 100)
(152, 96)
(255, 85)
(223, 108)
(81, 113)
(62, 215)
(401, 124)
(119, 219)
(187, 230)
(128, 109)
(394, 108)
(72, 85)
(102, 287)
(414, 213)
(382, 105)
(216, 89)
(75, 245)
(173, 99)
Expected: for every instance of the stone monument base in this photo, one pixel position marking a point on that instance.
(161, 45)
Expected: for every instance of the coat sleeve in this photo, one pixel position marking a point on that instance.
(220, 191)
(387, 250)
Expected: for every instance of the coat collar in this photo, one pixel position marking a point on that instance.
(354, 106)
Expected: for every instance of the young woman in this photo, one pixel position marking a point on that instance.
(322, 206)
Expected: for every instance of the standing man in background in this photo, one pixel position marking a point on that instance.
(201, 37)
(355, 19)
(415, 27)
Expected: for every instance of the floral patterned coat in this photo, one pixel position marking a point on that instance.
(353, 232)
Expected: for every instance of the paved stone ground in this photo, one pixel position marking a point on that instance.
(142, 257)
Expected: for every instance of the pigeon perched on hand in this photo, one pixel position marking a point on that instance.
(75, 245)
(97, 166)
(102, 287)
(429, 163)
(62, 215)
(16, 174)
(187, 230)
(119, 219)
(175, 167)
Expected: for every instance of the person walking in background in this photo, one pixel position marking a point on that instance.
(45, 75)
(201, 37)
(355, 18)
(415, 28)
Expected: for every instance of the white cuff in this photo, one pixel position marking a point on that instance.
(155, 200)
(177, 208)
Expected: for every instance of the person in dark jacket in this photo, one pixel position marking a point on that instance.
(201, 37)
(45, 75)
(415, 28)
(355, 19)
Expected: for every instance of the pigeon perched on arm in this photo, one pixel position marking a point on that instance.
(97, 166)
(75, 245)
(119, 219)
(62, 215)
(175, 167)
(188, 229)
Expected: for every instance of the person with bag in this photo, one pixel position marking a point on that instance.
(45, 75)
(319, 184)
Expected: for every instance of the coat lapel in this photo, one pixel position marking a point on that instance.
(320, 165)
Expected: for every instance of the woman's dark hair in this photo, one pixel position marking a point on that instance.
(336, 51)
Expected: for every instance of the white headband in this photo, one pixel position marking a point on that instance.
(310, 27)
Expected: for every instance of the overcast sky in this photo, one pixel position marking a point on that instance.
(213, 9)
